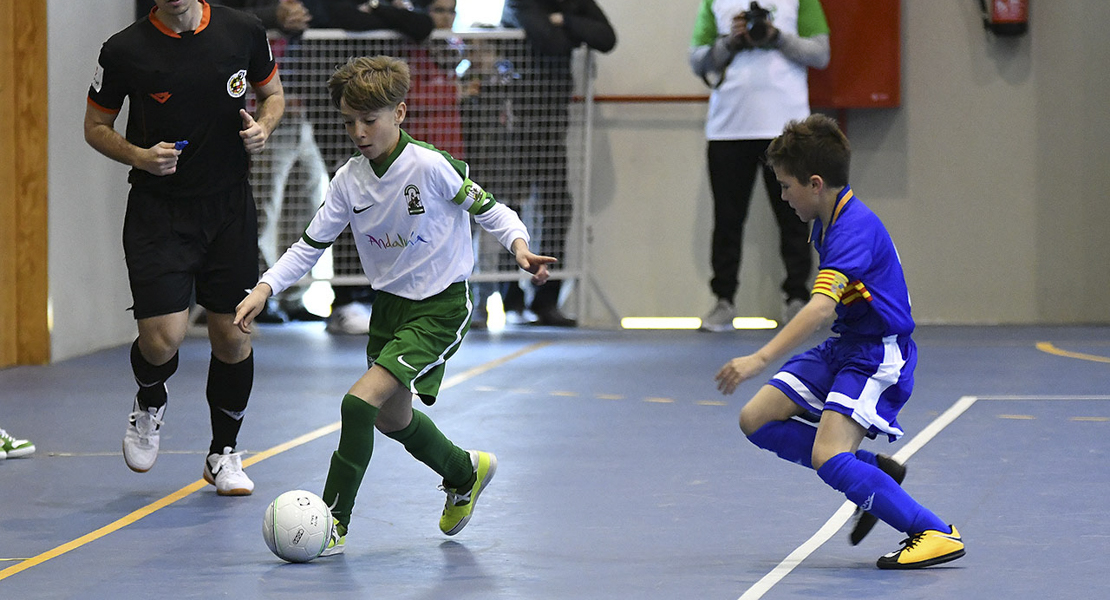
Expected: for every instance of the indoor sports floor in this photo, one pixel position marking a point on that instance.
(622, 474)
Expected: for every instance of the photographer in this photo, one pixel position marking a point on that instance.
(754, 56)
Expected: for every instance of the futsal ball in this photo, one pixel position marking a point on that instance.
(297, 526)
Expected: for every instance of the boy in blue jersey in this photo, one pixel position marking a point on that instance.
(409, 207)
(854, 383)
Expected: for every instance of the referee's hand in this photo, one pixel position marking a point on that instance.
(254, 136)
(160, 159)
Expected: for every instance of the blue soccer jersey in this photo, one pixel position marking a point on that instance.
(861, 270)
(867, 371)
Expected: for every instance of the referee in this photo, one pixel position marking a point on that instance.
(190, 227)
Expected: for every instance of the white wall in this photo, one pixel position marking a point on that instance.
(89, 294)
(988, 176)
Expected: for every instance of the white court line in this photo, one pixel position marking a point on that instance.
(1062, 398)
(842, 514)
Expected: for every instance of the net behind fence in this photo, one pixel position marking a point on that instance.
(518, 121)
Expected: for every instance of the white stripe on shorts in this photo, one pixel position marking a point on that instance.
(801, 389)
(458, 340)
(864, 408)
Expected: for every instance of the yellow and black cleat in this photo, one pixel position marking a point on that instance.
(925, 549)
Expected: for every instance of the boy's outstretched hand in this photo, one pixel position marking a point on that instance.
(738, 370)
(533, 263)
(249, 308)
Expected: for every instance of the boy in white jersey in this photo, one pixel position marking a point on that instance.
(409, 208)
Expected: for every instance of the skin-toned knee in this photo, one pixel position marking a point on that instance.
(388, 423)
(750, 421)
(157, 349)
(231, 351)
(837, 434)
(819, 457)
(158, 345)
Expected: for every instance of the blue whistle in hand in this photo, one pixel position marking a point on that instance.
(179, 146)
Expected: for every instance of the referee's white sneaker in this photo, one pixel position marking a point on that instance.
(225, 471)
(140, 442)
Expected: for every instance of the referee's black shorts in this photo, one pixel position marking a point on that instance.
(175, 245)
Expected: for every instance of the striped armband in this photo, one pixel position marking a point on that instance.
(473, 199)
(830, 283)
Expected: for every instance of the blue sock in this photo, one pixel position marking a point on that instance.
(875, 492)
(791, 440)
(867, 457)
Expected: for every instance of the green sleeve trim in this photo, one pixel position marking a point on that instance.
(314, 243)
(811, 19)
(705, 26)
(460, 167)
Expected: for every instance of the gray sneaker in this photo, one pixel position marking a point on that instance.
(140, 442)
(720, 318)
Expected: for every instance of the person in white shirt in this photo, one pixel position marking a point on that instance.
(409, 206)
(754, 55)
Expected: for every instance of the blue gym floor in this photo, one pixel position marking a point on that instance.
(622, 474)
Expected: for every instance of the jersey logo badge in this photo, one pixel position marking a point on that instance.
(412, 196)
(161, 97)
(98, 78)
(237, 85)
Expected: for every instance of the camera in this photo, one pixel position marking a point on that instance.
(756, 18)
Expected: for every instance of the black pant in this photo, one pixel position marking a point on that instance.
(732, 168)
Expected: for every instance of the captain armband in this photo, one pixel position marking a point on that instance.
(830, 283)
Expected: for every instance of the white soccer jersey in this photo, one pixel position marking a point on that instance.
(410, 218)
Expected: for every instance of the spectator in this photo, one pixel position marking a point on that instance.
(756, 62)
(434, 116)
(553, 29)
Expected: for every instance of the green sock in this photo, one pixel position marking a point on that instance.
(349, 462)
(425, 442)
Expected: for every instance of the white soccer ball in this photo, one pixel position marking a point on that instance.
(297, 526)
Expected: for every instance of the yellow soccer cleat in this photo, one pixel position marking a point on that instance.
(460, 503)
(925, 549)
(338, 539)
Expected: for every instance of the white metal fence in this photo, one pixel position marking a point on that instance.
(521, 123)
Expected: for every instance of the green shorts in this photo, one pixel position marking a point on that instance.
(412, 339)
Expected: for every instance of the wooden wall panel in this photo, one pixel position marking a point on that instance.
(24, 154)
(8, 329)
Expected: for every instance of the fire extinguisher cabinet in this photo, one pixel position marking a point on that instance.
(865, 67)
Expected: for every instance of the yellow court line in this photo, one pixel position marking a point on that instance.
(1049, 348)
(201, 484)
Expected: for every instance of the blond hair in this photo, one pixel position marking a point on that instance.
(369, 83)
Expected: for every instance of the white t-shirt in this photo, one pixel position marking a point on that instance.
(762, 89)
(410, 218)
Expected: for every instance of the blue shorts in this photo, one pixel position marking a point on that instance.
(868, 380)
